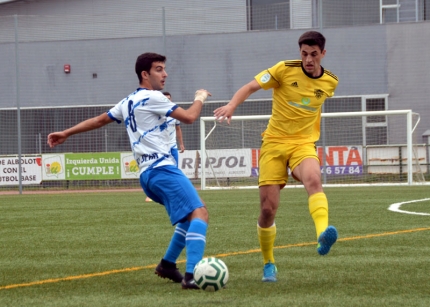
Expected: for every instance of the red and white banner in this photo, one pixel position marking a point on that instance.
(31, 170)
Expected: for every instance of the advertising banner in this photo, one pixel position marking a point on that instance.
(220, 163)
(341, 160)
(53, 167)
(392, 160)
(30, 170)
(129, 167)
(93, 166)
(81, 166)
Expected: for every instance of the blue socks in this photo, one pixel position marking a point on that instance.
(177, 243)
(191, 234)
(196, 243)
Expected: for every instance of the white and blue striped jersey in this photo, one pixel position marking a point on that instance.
(171, 127)
(144, 113)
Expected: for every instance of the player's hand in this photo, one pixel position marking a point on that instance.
(224, 113)
(56, 138)
(201, 95)
(181, 148)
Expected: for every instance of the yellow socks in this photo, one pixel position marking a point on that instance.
(318, 207)
(266, 236)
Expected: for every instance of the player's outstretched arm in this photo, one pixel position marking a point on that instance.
(226, 112)
(57, 138)
(189, 115)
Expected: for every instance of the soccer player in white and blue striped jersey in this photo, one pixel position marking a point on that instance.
(144, 114)
(175, 133)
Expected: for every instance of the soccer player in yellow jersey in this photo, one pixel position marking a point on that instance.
(299, 90)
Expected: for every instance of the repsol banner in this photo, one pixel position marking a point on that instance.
(30, 170)
(220, 163)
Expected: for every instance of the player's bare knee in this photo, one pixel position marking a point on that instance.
(268, 212)
(312, 181)
(200, 213)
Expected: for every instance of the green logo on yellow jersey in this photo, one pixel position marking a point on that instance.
(306, 100)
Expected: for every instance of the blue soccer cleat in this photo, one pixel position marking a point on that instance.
(269, 272)
(326, 240)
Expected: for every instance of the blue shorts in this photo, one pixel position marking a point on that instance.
(169, 186)
(175, 153)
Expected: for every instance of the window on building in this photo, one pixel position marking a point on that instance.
(304, 14)
(376, 126)
(369, 130)
(375, 104)
(268, 14)
(426, 9)
(282, 14)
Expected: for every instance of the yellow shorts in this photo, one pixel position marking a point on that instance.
(276, 158)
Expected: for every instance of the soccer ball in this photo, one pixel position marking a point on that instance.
(211, 274)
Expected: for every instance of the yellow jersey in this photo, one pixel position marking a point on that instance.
(297, 101)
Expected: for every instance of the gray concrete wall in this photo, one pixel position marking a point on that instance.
(219, 62)
(106, 7)
(368, 60)
(407, 70)
(390, 60)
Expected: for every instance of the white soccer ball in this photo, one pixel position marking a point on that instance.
(211, 274)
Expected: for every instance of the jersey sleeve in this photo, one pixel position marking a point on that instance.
(333, 81)
(160, 104)
(115, 113)
(270, 78)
